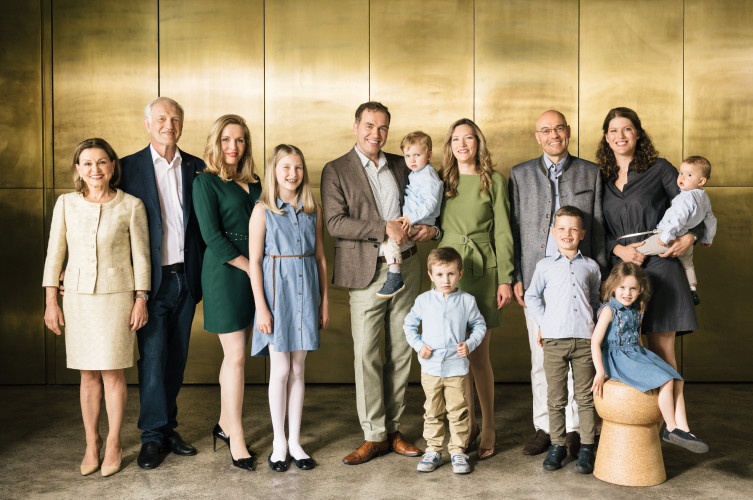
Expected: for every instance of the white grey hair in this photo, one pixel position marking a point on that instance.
(148, 108)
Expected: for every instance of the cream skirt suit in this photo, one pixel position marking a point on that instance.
(108, 258)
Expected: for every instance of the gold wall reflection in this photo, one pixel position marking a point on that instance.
(296, 70)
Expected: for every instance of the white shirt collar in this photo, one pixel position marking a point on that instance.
(156, 156)
(365, 161)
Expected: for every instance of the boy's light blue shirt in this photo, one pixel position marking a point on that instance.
(688, 209)
(445, 322)
(423, 196)
(563, 296)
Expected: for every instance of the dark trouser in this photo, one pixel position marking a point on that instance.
(163, 347)
(559, 355)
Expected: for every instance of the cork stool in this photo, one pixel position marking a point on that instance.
(629, 451)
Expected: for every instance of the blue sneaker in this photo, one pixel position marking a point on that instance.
(392, 286)
(460, 463)
(430, 461)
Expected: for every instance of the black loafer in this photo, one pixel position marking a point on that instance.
(585, 463)
(665, 436)
(688, 441)
(150, 456)
(180, 447)
(304, 463)
(280, 466)
(554, 458)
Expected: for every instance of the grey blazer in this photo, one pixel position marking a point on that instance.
(352, 218)
(531, 200)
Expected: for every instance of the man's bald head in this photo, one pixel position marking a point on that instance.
(553, 133)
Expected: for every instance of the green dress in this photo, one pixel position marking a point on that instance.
(223, 210)
(477, 225)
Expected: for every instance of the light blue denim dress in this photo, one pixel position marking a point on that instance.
(624, 358)
(291, 282)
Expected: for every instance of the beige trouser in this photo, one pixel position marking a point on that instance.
(445, 395)
(652, 247)
(391, 250)
(382, 361)
(559, 356)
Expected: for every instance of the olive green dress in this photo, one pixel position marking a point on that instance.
(223, 210)
(477, 225)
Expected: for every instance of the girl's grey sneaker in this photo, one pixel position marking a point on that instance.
(392, 286)
(688, 441)
(430, 461)
(460, 463)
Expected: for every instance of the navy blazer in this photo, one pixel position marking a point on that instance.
(138, 180)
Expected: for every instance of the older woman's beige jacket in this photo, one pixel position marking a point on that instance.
(107, 244)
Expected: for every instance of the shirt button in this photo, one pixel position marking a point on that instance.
(300, 275)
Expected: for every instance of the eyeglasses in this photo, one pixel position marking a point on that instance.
(558, 129)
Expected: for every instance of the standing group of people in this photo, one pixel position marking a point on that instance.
(149, 235)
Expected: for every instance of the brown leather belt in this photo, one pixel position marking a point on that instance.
(411, 251)
(274, 262)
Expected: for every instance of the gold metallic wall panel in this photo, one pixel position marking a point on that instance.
(422, 66)
(212, 74)
(212, 62)
(104, 73)
(523, 69)
(21, 88)
(22, 332)
(721, 350)
(316, 75)
(631, 55)
(718, 89)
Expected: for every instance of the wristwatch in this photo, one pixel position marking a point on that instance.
(144, 296)
(438, 234)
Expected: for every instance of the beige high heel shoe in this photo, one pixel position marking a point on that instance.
(89, 469)
(109, 470)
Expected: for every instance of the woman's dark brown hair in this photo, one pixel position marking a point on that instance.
(645, 153)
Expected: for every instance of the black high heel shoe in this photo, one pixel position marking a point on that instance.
(218, 433)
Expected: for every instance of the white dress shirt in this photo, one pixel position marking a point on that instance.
(170, 189)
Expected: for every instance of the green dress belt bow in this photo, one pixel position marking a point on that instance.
(471, 240)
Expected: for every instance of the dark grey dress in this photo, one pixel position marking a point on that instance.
(639, 207)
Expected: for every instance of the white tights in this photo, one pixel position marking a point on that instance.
(286, 388)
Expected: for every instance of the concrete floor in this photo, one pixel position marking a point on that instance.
(41, 446)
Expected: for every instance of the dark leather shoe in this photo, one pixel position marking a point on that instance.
(279, 466)
(150, 456)
(401, 446)
(554, 458)
(304, 463)
(585, 463)
(367, 451)
(572, 441)
(539, 443)
(180, 447)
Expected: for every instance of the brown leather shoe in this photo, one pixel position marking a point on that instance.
(399, 445)
(572, 441)
(539, 443)
(367, 451)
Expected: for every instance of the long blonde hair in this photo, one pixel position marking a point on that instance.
(215, 159)
(270, 190)
(484, 165)
(618, 275)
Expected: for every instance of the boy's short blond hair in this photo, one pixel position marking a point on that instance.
(444, 255)
(570, 211)
(700, 162)
(417, 137)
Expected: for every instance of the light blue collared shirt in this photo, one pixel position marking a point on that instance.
(423, 196)
(555, 172)
(444, 324)
(563, 296)
(688, 209)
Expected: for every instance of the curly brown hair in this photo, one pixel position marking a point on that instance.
(645, 153)
(484, 165)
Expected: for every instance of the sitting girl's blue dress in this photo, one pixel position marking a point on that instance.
(624, 358)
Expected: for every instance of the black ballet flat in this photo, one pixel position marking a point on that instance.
(304, 463)
(218, 433)
(280, 466)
